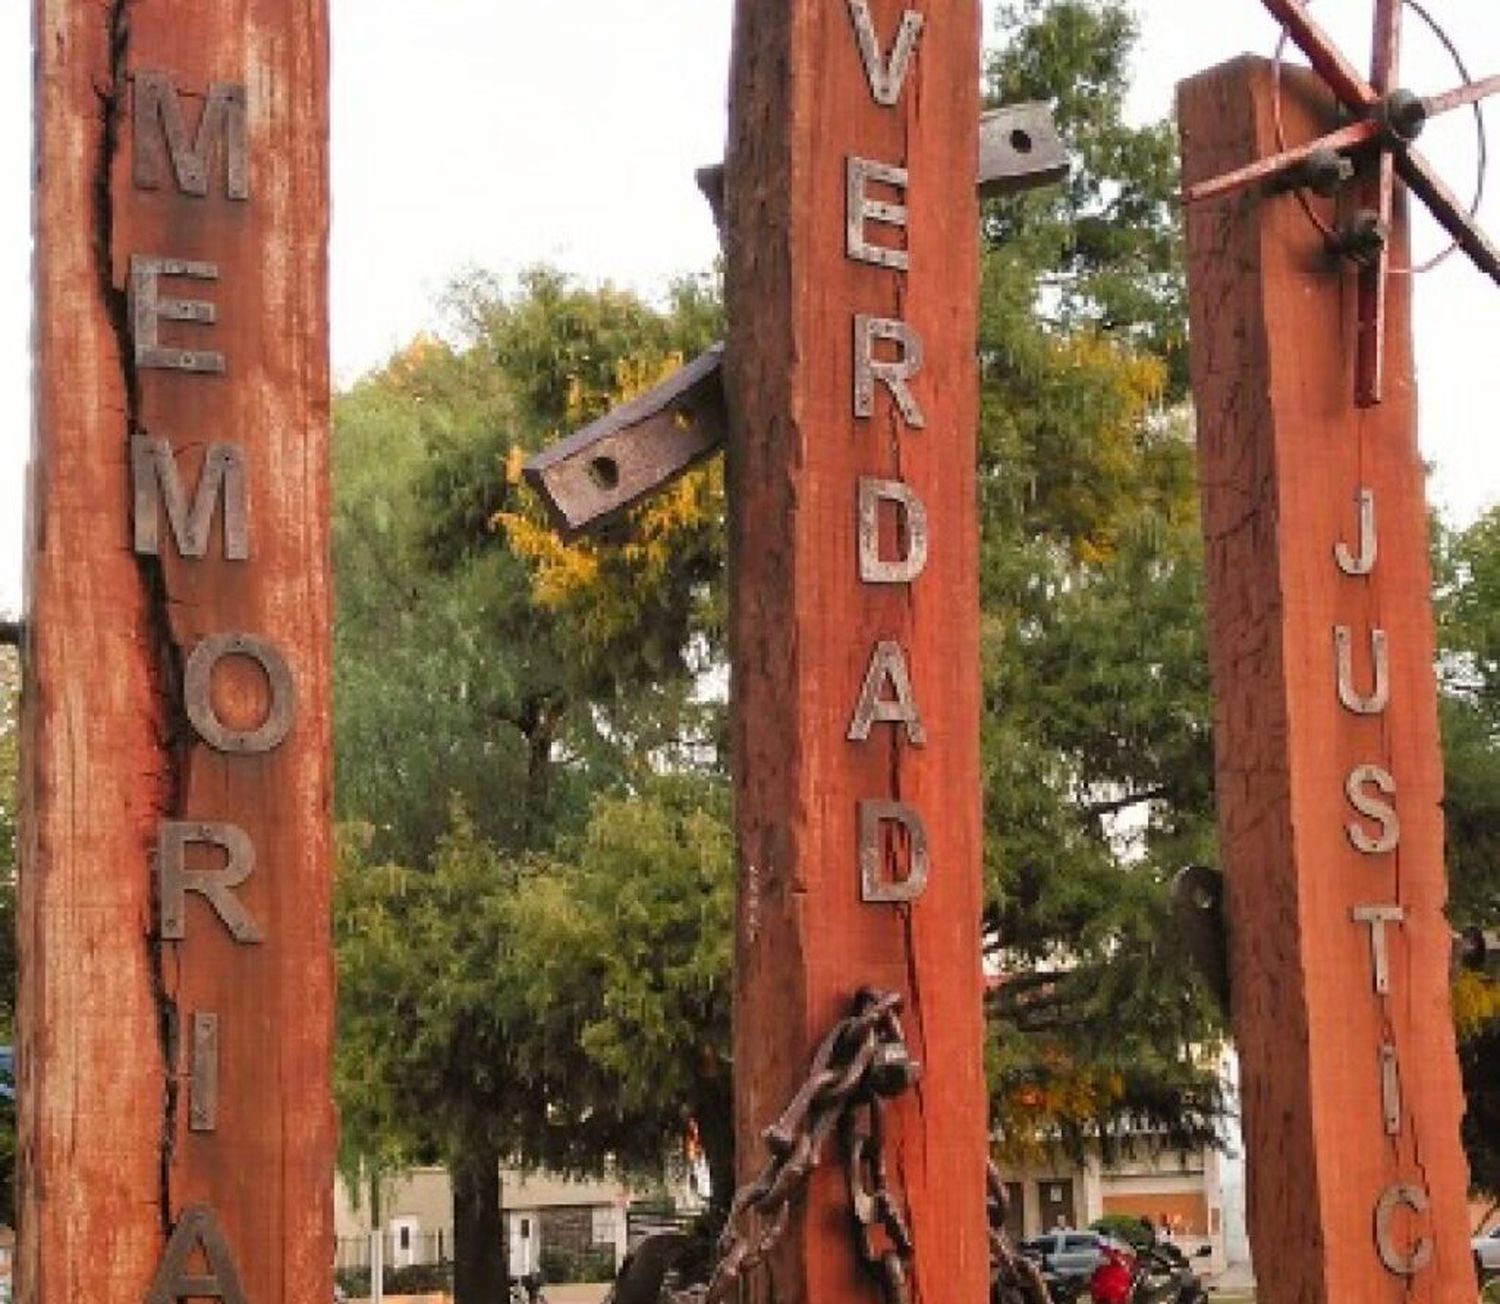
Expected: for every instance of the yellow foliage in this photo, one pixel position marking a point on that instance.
(409, 365)
(1070, 1094)
(1098, 477)
(1476, 1003)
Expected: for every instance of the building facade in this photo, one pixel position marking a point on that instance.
(585, 1225)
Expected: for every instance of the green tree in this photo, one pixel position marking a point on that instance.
(1468, 571)
(1103, 250)
(622, 949)
(487, 691)
(1097, 748)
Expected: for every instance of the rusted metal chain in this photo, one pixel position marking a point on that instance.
(1014, 1279)
(857, 1067)
(865, 1053)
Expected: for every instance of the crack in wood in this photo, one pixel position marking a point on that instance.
(166, 657)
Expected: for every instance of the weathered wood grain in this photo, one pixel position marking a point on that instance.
(1284, 450)
(108, 1160)
(804, 627)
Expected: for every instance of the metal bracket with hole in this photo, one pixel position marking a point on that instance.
(1019, 149)
(606, 468)
(612, 464)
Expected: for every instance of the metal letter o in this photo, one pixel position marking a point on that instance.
(198, 694)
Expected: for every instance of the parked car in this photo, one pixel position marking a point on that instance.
(1066, 1253)
(1487, 1254)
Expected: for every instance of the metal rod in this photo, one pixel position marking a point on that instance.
(1385, 70)
(1345, 139)
(1459, 96)
(1446, 207)
(1374, 290)
(1375, 276)
(1352, 89)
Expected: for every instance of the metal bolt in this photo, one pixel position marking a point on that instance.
(1363, 237)
(1404, 114)
(1323, 172)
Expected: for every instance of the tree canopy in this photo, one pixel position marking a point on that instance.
(1468, 609)
(1098, 757)
(497, 699)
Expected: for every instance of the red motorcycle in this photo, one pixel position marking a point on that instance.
(1155, 1274)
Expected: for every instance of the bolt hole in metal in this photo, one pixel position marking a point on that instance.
(605, 473)
(1334, 238)
(1021, 142)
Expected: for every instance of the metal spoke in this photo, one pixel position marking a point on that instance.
(1345, 140)
(1449, 211)
(1459, 96)
(1352, 89)
(1386, 65)
(1374, 290)
(1375, 275)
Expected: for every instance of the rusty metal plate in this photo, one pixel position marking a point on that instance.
(591, 477)
(636, 450)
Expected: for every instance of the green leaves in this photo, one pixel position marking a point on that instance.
(533, 920)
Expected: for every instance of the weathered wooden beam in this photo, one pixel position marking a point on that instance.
(608, 467)
(176, 994)
(854, 603)
(1329, 774)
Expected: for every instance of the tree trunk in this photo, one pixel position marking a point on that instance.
(714, 1109)
(478, 1239)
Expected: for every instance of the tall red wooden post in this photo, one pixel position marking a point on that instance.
(176, 988)
(1329, 769)
(852, 247)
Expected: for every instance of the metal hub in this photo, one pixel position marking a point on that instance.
(1388, 119)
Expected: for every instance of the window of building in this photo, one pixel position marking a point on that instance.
(604, 1224)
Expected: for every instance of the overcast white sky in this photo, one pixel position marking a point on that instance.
(497, 133)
